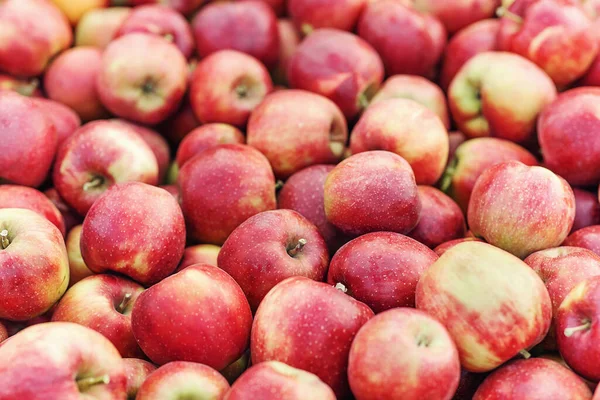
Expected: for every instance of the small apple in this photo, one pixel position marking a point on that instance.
(587, 209)
(458, 14)
(98, 27)
(176, 127)
(199, 254)
(77, 268)
(587, 238)
(309, 15)
(136, 371)
(205, 137)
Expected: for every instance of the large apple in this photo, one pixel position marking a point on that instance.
(458, 14)
(309, 15)
(98, 27)
(77, 268)
(205, 137)
(587, 209)
(137, 371)
(587, 238)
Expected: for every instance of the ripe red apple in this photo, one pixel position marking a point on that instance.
(328, 320)
(77, 268)
(185, 7)
(136, 371)
(494, 306)
(338, 65)
(389, 202)
(176, 127)
(199, 254)
(380, 269)
(205, 137)
(289, 39)
(69, 215)
(587, 209)
(278, 6)
(140, 85)
(99, 27)
(239, 84)
(458, 14)
(64, 119)
(23, 86)
(60, 360)
(222, 187)
(295, 129)
(309, 15)
(199, 314)
(409, 129)
(442, 248)
(274, 380)
(587, 238)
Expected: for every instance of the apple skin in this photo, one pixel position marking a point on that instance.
(199, 314)
(295, 129)
(65, 120)
(142, 86)
(186, 7)
(533, 379)
(481, 96)
(329, 320)
(205, 137)
(74, 10)
(390, 202)
(338, 65)
(278, 233)
(98, 155)
(587, 238)
(587, 209)
(29, 139)
(234, 370)
(542, 208)
(472, 158)
(274, 380)
(98, 27)
(458, 14)
(492, 303)
(48, 361)
(199, 254)
(149, 236)
(222, 187)
(409, 129)
(136, 371)
(23, 86)
(442, 248)
(289, 39)
(77, 268)
(240, 82)
(309, 15)
(391, 357)
(69, 215)
(381, 269)
(3, 333)
(34, 31)
(176, 127)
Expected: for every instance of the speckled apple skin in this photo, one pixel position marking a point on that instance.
(136, 371)
(587, 238)
(442, 248)
(381, 269)
(493, 304)
(135, 229)
(222, 187)
(521, 209)
(205, 137)
(372, 191)
(308, 325)
(65, 120)
(199, 254)
(199, 314)
(314, 14)
(587, 209)
(458, 14)
(533, 379)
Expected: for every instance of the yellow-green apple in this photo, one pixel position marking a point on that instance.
(293, 137)
(241, 85)
(69, 215)
(136, 371)
(274, 380)
(408, 41)
(541, 204)
(458, 14)
(493, 304)
(309, 15)
(205, 137)
(77, 268)
(441, 219)
(65, 120)
(558, 36)
(98, 27)
(26, 87)
(291, 246)
(35, 266)
(150, 249)
(162, 21)
(338, 65)
(372, 191)
(472, 158)
(403, 354)
(176, 127)
(289, 39)
(380, 269)
(587, 209)
(415, 88)
(71, 80)
(482, 96)
(409, 129)
(587, 238)
(228, 25)
(442, 248)
(140, 85)
(222, 187)
(28, 139)
(199, 254)
(199, 314)
(74, 10)
(533, 379)
(186, 7)
(328, 319)
(233, 371)
(33, 31)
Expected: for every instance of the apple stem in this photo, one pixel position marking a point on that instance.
(4, 238)
(525, 354)
(448, 175)
(298, 248)
(124, 303)
(363, 101)
(97, 181)
(86, 383)
(570, 331)
(341, 287)
(278, 185)
(503, 12)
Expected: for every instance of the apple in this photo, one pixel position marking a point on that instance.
(205, 137)
(289, 39)
(69, 215)
(77, 268)
(33, 31)
(222, 187)
(409, 129)
(338, 65)
(494, 306)
(328, 320)
(295, 129)
(587, 209)
(442, 248)
(455, 139)
(389, 202)
(587, 238)
(289, 246)
(234, 370)
(309, 15)
(139, 85)
(74, 10)
(147, 238)
(274, 380)
(199, 314)
(185, 7)
(533, 379)
(98, 27)
(380, 269)
(65, 120)
(23, 86)
(199, 254)
(60, 360)
(136, 371)
(458, 14)
(176, 127)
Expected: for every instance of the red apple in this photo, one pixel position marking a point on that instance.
(136, 371)
(289, 39)
(199, 254)
(338, 65)
(77, 268)
(328, 320)
(205, 137)
(185, 7)
(389, 202)
(64, 119)
(69, 215)
(295, 129)
(587, 209)
(309, 15)
(492, 303)
(99, 27)
(409, 129)
(458, 14)
(587, 238)
(380, 269)
(176, 127)
(23, 86)
(442, 248)
(278, 6)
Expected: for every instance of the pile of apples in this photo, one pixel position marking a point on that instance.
(299, 199)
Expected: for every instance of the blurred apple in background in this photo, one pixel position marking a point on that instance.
(98, 27)
(74, 10)
(199, 254)
(136, 371)
(289, 39)
(458, 14)
(587, 209)
(64, 119)
(186, 7)
(309, 15)
(26, 87)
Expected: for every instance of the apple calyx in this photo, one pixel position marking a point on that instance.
(148, 86)
(124, 303)
(169, 37)
(4, 241)
(525, 354)
(423, 341)
(587, 324)
(293, 252)
(341, 287)
(242, 91)
(96, 182)
(502, 12)
(85, 384)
